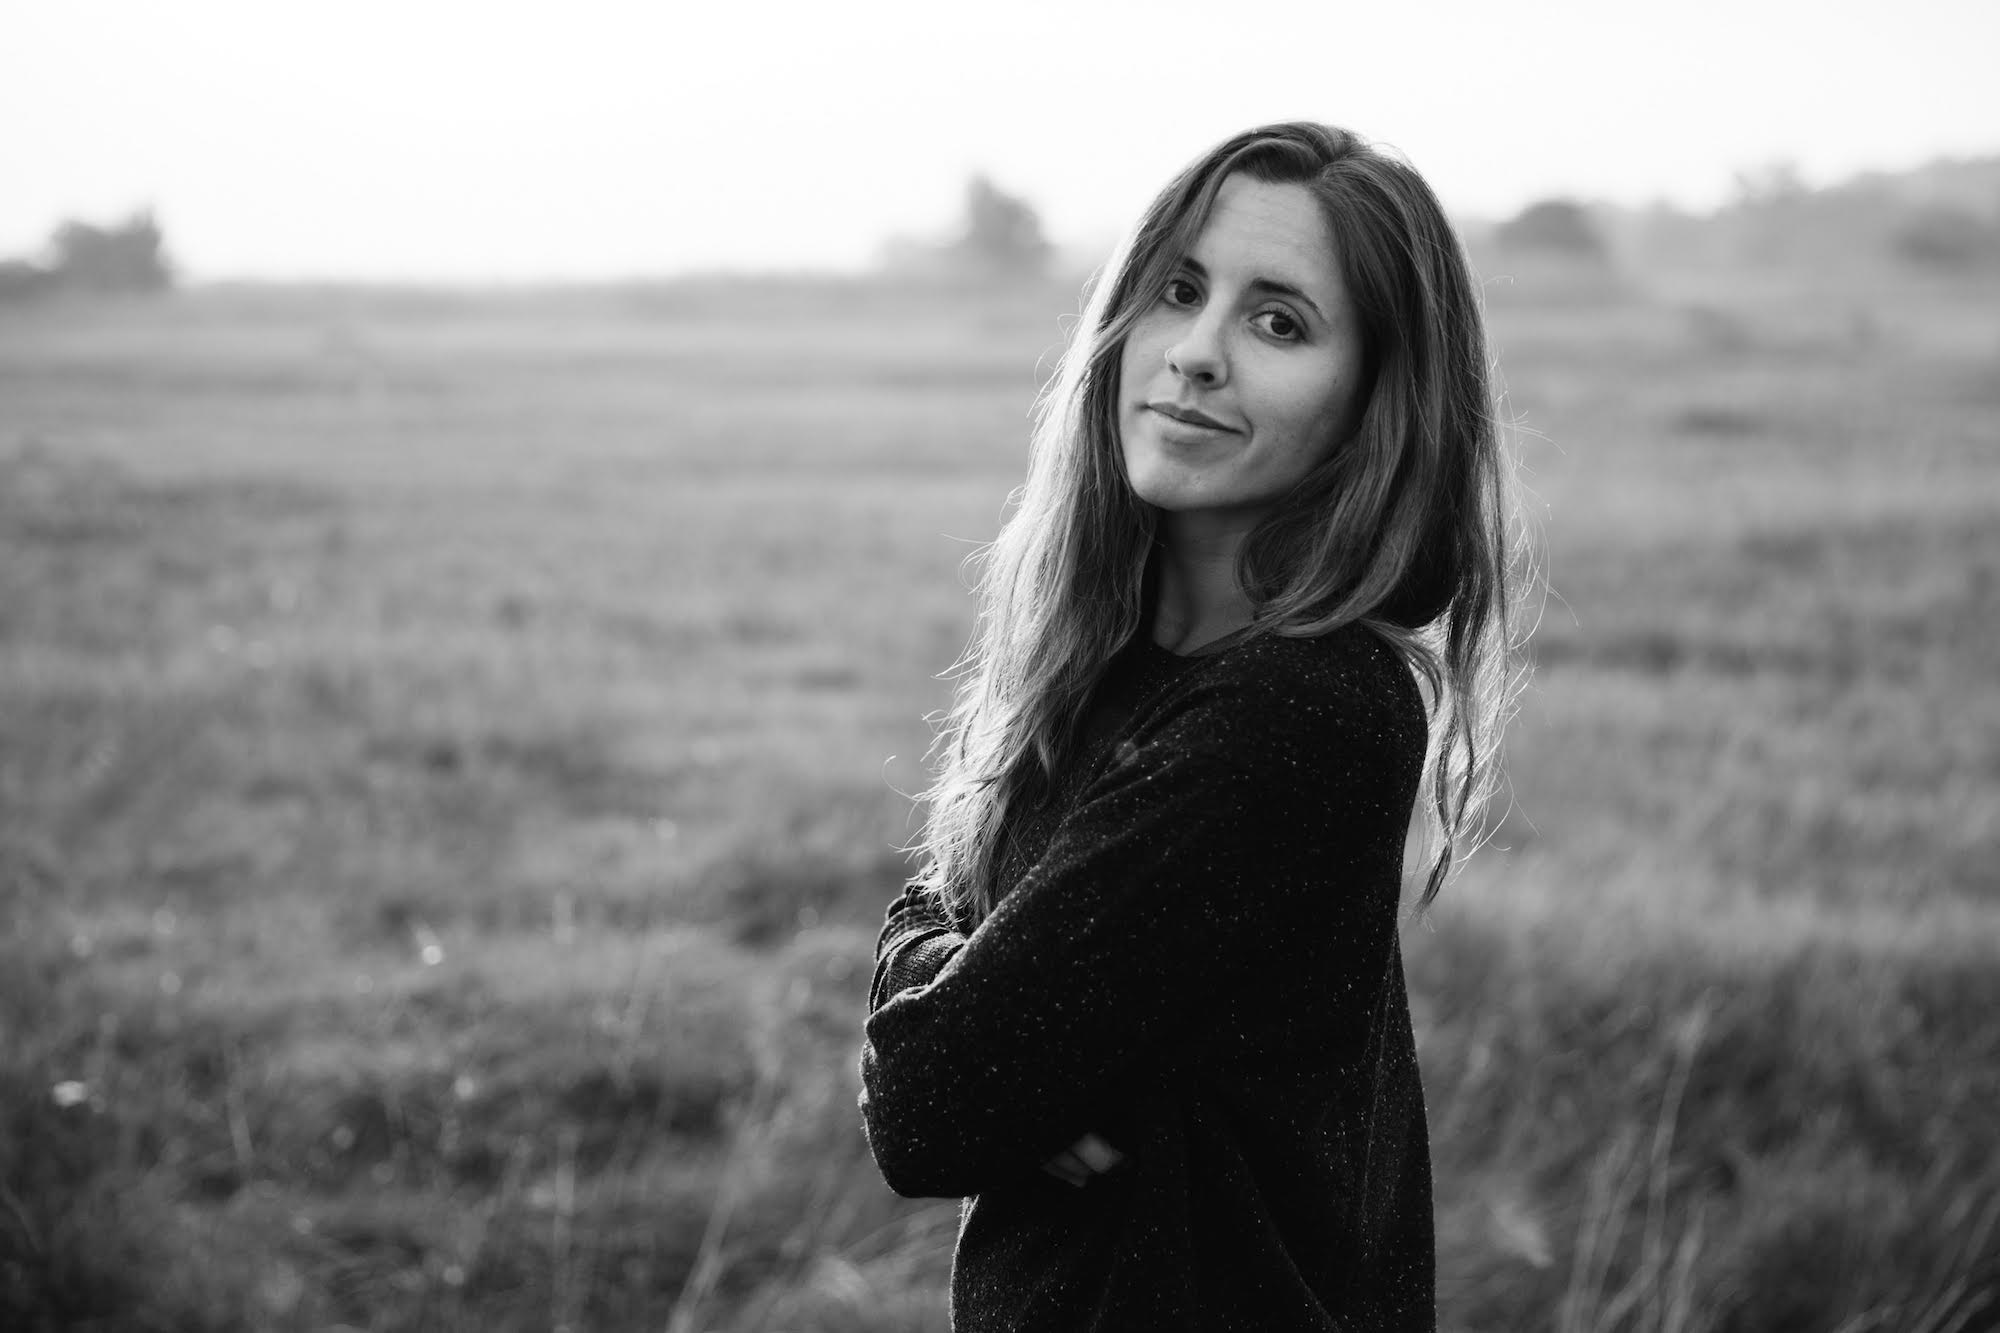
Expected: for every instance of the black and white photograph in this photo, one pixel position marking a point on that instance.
(1075, 666)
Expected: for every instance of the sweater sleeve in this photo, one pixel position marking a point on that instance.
(915, 940)
(1227, 839)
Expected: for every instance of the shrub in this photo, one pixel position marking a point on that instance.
(1553, 226)
(1948, 238)
(122, 258)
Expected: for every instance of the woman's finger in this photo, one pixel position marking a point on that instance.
(1067, 1166)
(1096, 1153)
(1088, 1156)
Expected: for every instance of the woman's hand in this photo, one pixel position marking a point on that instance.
(1087, 1157)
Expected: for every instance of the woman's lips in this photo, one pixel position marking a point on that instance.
(1188, 416)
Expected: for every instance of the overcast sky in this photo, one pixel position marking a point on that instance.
(474, 139)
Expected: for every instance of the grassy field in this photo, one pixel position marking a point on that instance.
(450, 756)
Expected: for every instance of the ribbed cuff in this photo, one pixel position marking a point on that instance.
(914, 962)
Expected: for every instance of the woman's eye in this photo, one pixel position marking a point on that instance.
(1180, 291)
(1280, 325)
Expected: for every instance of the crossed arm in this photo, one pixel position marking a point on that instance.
(1180, 875)
(915, 942)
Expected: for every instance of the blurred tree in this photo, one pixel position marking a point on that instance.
(123, 258)
(1947, 237)
(1554, 226)
(19, 279)
(1003, 234)
(1772, 183)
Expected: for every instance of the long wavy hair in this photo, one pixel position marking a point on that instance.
(1404, 528)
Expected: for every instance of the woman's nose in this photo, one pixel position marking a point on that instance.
(1197, 355)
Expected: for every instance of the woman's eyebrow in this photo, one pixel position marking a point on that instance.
(1270, 285)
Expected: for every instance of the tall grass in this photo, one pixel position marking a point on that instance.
(449, 748)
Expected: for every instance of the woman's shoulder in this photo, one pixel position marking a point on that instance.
(1347, 680)
(1352, 661)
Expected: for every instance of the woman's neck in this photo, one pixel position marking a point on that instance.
(1198, 598)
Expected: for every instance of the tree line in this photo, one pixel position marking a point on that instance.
(128, 256)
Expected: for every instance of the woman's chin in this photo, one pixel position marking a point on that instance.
(1192, 503)
(1173, 478)
(1168, 494)
(1184, 478)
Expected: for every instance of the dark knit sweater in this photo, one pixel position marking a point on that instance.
(1195, 958)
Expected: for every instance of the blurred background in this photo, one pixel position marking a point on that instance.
(483, 496)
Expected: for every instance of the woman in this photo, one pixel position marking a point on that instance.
(1144, 1008)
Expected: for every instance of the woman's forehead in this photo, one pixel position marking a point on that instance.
(1270, 232)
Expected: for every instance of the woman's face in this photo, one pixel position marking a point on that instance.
(1245, 372)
